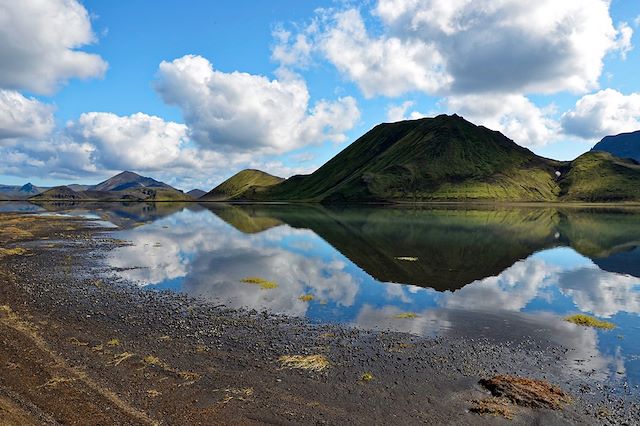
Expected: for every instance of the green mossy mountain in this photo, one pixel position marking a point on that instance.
(599, 176)
(431, 159)
(445, 158)
(244, 182)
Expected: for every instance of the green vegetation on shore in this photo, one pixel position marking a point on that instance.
(589, 321)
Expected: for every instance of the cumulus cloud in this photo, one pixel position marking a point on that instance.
(466, 46)
(603, 113)
(387, 65)
(241, 112)
(22, 117)
(39, 42)
(401, 112)
(138, 141)
(514, 115)
(100, 144)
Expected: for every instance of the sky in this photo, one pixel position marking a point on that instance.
(190, 92)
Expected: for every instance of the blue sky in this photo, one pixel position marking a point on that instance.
(285, 85)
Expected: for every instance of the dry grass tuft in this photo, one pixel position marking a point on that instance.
(527, 392)
(55, 381)
(305, 362)
(589, 321)
(240, 394)
(406, 315)
(113, 343)
(18, 251)
(74, 341)
(264, 284)
(119, 359)
(493, 407)
(14, 232)
(306, 297)
(155, 361)
(366, 377)
(152, 393)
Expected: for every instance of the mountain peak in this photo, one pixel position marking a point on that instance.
(126, 180)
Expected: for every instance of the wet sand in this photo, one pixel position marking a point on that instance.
(81, 347)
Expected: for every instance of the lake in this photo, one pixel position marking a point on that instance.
(499, 273)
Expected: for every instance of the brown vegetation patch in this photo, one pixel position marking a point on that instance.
(527, 392)
(492, 407)
(305, 362)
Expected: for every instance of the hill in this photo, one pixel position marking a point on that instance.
(196, 193)
(127, 180)
(60, 193)
(601, 177)
(244, 182)
(624, 145)
(431, 159)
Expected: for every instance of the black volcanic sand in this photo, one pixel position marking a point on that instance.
(81, 348)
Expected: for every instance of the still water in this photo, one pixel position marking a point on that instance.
(501, 273)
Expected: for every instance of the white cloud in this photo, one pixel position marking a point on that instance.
(465, 46)
(22, 117)
(384, 65)
(510, 45)
(603, 113)
(401, 112)
(514, 115)
(242, 112)
(100, 144)
(138, 141)
(39, 41)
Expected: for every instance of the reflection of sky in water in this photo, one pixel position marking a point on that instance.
(198, 253)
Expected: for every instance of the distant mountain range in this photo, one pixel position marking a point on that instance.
(125, 186)
(624, 145)
(445, 158)
(17, 192)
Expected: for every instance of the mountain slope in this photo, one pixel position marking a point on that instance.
(601, 177)
(441, 158)
(127, 180)
(196, 193)
(60, 193)
(243, 182)
(624, 145)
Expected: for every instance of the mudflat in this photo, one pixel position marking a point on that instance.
(79, 346)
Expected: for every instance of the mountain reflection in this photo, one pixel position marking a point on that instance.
(453, 247)
(503, 273)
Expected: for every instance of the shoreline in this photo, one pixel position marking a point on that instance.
(136, 356)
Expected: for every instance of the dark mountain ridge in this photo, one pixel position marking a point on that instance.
(624, 145)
